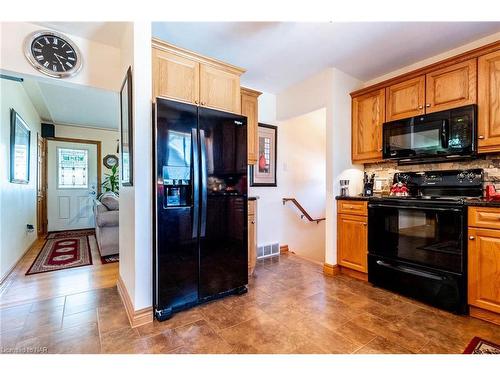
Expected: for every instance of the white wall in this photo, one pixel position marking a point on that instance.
(302, 143)
(328, 89)
(108, 140)
(17, 201)
(100, 61)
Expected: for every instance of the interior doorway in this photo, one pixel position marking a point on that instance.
(41, 187)
(73, 181)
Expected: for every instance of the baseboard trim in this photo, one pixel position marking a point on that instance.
(9, 272)
(483, 314)
(136, 318)
(330, 269)
(353, 273)
(283, 249)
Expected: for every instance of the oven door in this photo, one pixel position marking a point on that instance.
(416, 138)
(427, 235)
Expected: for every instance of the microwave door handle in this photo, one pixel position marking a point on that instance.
(444, 134)
(415, 207)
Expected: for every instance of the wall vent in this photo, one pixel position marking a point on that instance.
(269, 250)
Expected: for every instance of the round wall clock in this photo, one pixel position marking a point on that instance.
(52, 54)
(110, 161)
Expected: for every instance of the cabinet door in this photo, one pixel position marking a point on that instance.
(219, 89)
(368, 116)
(352, 242)
(489, 102)
(405, 99)
(249, 108)
(175, 77)
(484, 269)
(451, 87)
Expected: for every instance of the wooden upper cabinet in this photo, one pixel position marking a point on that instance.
(405, 99)
(219, 89)
(175, 77)
(250, 109)
(489, 102)
(451, 87)
(186, 76)
(368, 116)
(484, 268)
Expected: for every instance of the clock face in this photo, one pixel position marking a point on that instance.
(53, 54)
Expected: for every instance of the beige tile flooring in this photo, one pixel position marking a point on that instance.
(291, 307)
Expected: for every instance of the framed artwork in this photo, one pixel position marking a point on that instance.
(126, 130)
(20, 137)
(264, 172)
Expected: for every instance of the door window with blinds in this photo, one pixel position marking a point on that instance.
(72, 168)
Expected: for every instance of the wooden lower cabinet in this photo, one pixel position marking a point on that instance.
(484, 271)
(352, 241)
(252, 236)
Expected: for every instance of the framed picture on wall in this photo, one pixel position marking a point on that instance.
(264, 172)
(126, 130)
(20, 137)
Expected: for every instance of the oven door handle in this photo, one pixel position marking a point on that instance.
(411, 271)
(416, 207)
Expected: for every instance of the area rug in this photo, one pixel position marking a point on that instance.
(480, 346)
(110, 259)
(64, 250)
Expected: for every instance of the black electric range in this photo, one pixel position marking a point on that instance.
(417, 244)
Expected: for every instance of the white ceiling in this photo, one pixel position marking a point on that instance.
(279, 54)
(109, 33)
(75, 105)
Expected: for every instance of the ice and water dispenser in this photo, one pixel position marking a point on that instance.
(176, 186)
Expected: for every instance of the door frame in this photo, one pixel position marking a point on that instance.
(41, 182)
(71, 140)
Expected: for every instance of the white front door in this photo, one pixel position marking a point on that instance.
(71, 185)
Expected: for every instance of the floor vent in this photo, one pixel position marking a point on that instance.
(270, 250)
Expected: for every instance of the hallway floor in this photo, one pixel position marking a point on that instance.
(291, 307)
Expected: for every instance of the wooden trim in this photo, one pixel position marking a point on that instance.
(87, 141)
(283, 249)
(9, 272)
(165, 46)
(488, 48)
(353, 273)
(136, 318)
(250, 92)
(483, 314)
(331, 269)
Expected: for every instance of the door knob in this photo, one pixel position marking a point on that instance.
(472, 238)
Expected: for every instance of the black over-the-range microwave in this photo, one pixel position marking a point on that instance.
(434, 137)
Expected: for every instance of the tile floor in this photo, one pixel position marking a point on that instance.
(291, 307)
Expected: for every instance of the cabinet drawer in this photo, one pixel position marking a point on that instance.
(352, 207)
(484, 217)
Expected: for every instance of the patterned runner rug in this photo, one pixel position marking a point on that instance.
(480, 346)
(64, 250)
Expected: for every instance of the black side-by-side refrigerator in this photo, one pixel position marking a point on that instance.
(200, 208)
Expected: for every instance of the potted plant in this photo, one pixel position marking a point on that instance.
(111, 182)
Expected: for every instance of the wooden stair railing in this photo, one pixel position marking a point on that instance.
(302, 210)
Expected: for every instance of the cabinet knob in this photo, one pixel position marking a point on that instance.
(427, 105)
(380, 149)
(480, 137)
(196, 102)
(253, 221)
(472, 238)
(202, 103)
(365, 224)
(420, 107)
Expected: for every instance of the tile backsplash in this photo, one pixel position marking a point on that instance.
(490, 164)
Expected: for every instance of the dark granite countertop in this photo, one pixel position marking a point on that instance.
(353, 198)
(253, 198)
(481, 202)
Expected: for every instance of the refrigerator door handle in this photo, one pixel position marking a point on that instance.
(194, 182)
(204, 179)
